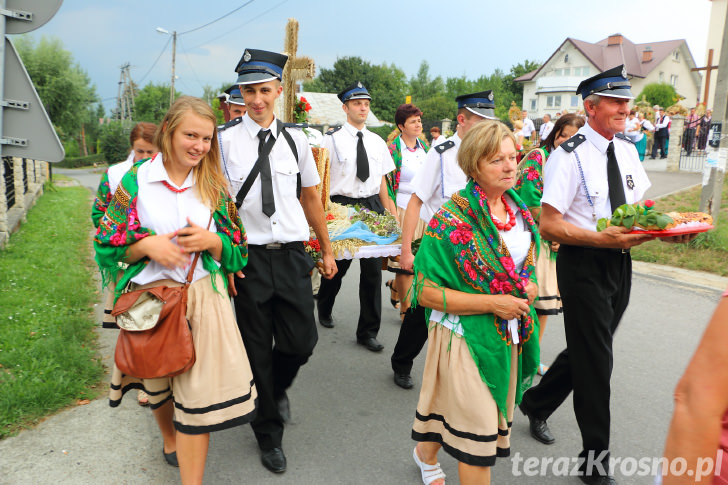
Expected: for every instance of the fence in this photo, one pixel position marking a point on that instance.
(22, 185)
(694, 143)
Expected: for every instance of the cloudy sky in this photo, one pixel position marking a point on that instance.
(461, 37)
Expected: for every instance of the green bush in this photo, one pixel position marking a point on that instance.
(660, 93)
(75, 162)
(115, 142)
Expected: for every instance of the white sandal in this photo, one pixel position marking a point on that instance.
(429, 475)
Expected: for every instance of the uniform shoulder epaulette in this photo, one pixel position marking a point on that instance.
(295, 125)
(446, 145)
(573, 142)
(334, 130)
(624, 137)
(230, 124)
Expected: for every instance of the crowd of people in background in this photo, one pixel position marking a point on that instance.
(490, 248)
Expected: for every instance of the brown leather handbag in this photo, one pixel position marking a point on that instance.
(155, 339)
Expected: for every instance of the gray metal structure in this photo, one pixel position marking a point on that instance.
(25, 129)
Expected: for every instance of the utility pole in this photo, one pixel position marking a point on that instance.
(710, 198)
(174, 56)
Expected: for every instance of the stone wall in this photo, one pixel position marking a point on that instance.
(36, 173)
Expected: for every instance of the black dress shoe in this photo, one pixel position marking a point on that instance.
(284, 407)
(274, 460)
(326, 321)
(538, 427)
(403, 380)
(371, 343)
(598, 480)
(171, 458)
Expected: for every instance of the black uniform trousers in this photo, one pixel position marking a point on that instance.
(412, 337)
(660, 141)
(595, 285)
(370, 280)
(274, 309)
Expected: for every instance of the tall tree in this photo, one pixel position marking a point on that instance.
(152, 102)
(64, 88)
(386, 83)
(423, 87)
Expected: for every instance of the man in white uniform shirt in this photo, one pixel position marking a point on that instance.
(359, 161)
(586, 178)
(528, 130)
(546, 128)
(267, 165)
(439, 178)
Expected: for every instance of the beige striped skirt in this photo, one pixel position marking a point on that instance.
(549, 298)
(218, 391)
(456, 408)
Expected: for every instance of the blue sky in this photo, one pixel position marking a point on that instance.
(461, 37)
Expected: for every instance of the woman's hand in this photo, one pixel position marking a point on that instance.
(193, 238)
(161, 249)
(532, 292)
(509, 307)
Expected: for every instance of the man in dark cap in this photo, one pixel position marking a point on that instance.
(439, 178)
(273, 177)
(359, 161)
(235, 102)
(586, 178)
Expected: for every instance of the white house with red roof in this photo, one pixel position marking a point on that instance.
(552, 87)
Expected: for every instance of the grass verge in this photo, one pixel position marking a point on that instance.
(707, 252)
(48, 350)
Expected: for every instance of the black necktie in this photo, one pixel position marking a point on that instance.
(362, 161)
(266, 183)
(614, 178)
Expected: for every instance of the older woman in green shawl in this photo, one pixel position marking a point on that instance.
(474, 272)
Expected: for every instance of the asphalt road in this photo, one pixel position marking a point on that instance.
(351, 424)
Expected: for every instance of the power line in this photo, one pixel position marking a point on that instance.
(240, 26)
(217, 19)
(155, 62)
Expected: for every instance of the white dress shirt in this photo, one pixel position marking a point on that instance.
(439, 178)
(528, 127)
(342, 148)
(411, 165)
(563, 186)
(164, 210)
(117, 171)
(545, 130)
(239, 145)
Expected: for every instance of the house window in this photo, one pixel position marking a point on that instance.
(533, 105)
(661, 77)
(581, 71)
(553, 101)
(574, 101)
(673, 80)
(676, 55)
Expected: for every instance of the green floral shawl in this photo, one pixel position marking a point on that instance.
(462, 250)
(395, 149)
(120, 227)
(529, 185)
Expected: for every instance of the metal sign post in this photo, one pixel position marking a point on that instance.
(25, 129)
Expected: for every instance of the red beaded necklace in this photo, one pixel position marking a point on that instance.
(173, 188)
(511, 216)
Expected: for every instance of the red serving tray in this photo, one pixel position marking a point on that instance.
(676, 231)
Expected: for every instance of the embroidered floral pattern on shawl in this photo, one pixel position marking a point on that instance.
(395, 149)
(463, 250)
(120, 227)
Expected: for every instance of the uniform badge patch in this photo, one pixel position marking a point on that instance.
(630, 182)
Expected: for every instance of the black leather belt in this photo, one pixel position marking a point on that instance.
(288, 245)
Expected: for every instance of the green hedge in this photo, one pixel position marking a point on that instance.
(76, 162)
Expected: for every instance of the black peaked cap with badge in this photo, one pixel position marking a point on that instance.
(481, 104)
(354, 91)
(612, 83)
(234, 96)
(257, 66)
